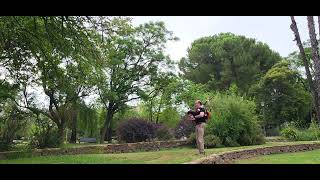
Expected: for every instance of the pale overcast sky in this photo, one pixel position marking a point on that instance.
(273, 30)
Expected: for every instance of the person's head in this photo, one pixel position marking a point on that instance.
(197, 104)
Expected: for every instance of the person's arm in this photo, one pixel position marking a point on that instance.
(191, 118)
(200, 115)
(191, 115)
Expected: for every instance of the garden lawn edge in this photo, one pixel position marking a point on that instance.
(229, 156)
(96, 149)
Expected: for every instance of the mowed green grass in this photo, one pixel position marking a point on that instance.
(308, 157)
(168, 156)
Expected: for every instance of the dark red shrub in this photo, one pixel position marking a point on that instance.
(135, 130)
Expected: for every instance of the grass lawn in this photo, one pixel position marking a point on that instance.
(308, 157)
(168, 156)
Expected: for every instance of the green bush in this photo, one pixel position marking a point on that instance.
(228, 141)
(13, 124)
(234, 120)
(48, 140)
(289, 133)
(292, 133)
(306, 136)
(210, 141)
(314, 129)
(44, 134)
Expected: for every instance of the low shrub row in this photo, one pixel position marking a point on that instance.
(291, 132)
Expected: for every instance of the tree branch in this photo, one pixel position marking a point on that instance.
(130, 99)
(303, 56)
(34, 110)
(102, 99)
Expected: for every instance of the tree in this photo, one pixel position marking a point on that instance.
(7, 92)
(283, 94)
(131, 58)
(191, 91)
(51, 53)
(88, 121)
(167, 101)
(315, 56)
(297, 62)
(303, 56)
(162, 95)
(223, 59)
(12, 119)
(169, 116)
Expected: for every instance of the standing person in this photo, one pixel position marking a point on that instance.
(200, 119)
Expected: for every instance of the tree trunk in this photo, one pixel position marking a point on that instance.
(109, 133)
(107, 123)
(61, 133)
(158, 113)
(151, 112)
(314, 93)
(73, 138)
(315, 56)
(56, 117)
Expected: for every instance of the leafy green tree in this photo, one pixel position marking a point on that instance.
(162, 96)
(170, 117)
(88, 121)
(305, 67)
(191, 91)
(13, 122)
(130, 62)
(223, 59)
(51, 53)
(7, 92)
(283, 95)
(297, 62)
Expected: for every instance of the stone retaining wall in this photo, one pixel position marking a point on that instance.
(229, 157)
(97, 149)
